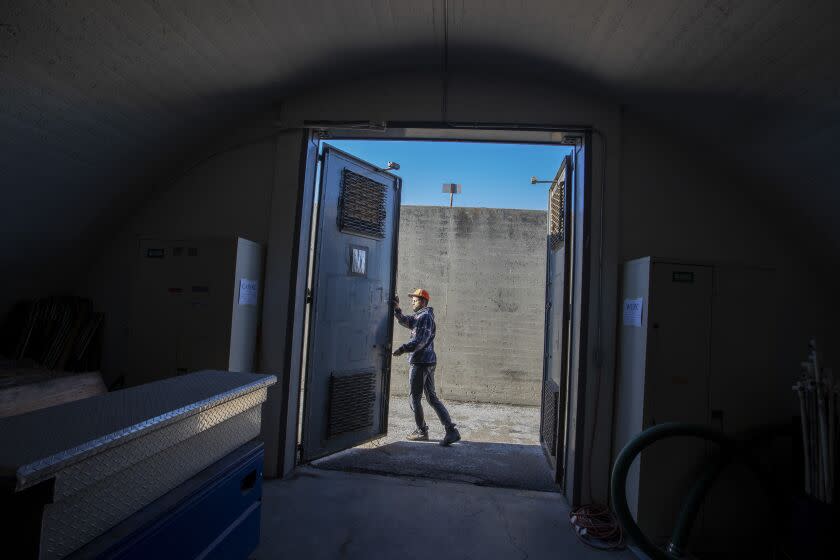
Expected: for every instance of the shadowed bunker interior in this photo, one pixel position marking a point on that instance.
(131, 120)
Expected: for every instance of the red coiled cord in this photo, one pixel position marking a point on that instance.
(596, 526)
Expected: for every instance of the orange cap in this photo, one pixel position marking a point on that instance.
(420, 292)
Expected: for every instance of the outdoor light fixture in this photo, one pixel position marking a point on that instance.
(452, 189)
(392, 166)
(534, 181)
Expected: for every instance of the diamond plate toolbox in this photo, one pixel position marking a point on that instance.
(111, 455)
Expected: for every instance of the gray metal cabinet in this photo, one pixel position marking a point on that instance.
(663, 377)
(701, 349)
(195, 305)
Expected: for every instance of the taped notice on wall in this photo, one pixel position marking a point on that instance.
(633, 312)
(247, 292)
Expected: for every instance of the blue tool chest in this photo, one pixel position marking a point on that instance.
(216, 514)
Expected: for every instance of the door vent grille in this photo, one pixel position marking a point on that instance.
(548, 425)
(351, 403)
(361, 206)
(557, 203)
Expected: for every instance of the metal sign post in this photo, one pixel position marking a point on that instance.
(452, 189)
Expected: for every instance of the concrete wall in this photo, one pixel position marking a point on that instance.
(485, 271)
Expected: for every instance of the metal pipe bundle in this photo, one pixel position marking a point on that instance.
(818, 394)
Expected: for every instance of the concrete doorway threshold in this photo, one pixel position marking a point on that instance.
(499, 447)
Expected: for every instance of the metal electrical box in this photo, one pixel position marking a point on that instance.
(195, 305)
(696, 343)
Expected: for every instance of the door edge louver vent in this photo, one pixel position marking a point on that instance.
(361, 206)
(556, 233)
(548, 426)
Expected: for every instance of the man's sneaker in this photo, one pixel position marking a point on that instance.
(418, 435)
(452, 435)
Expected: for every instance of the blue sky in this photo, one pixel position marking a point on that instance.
(491, 175)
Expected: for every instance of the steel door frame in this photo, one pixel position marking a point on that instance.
(491, 132)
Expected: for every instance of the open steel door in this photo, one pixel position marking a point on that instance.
(557, 317)
(348, 362)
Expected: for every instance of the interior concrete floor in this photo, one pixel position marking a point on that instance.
(499, 447)
(320, 514)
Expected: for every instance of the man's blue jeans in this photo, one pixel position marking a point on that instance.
(421, 379)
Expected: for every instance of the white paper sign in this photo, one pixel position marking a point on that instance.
(247, 292)
(359, 265)
(633, 312)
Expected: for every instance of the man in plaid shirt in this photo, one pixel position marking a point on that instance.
(422, 362)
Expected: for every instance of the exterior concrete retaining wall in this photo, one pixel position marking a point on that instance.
(485, 271)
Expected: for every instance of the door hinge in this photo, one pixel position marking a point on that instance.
(308, 296)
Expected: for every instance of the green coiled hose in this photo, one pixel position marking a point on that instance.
(730, 450)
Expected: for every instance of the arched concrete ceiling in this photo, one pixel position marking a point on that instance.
(96, 97)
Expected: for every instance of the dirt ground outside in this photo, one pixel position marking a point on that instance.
(484, 422)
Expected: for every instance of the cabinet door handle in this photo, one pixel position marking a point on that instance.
(248, 482)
